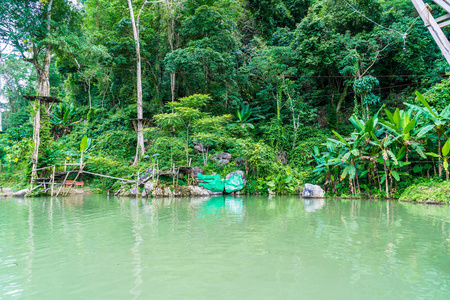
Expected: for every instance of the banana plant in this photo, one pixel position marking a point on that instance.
(400, 123)
(348, 159)
(444, 156)
(385, 153)
(62, 119)
(325, 164)
(436, 121)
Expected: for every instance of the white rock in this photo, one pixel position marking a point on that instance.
(21, 193)
(313, 191)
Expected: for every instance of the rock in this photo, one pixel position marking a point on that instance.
(238, 172)
(144, 193)
(240, 161)
(149, 186)
(158, 192)
(198, 191)
(313, 191)
(271, 192)
(6, 192)
(134, 191)
(196, 171)
(146, 177)
(167, 192)
(225, 155)
(222, 159)
(21, 193)
(200, 148)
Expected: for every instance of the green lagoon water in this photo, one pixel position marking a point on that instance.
(94, 247)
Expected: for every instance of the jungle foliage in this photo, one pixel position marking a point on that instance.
(294, 90)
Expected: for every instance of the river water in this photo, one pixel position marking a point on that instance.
(94, 247)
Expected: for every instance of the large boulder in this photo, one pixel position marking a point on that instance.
(313, 191)
(238, 172)
(21, 193)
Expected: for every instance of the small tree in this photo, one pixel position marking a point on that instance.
(184, 113)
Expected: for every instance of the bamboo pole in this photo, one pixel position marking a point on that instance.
(53, 181)
(137, 185)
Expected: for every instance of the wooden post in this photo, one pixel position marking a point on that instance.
(137, 185)
(36, 139)
(157, 171)
(53, 180)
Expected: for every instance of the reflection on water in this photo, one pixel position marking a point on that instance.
(222, 248)
(312, 205)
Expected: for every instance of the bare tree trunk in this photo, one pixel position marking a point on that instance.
(43, 78)
(140, 148)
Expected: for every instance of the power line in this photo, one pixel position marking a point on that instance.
(403, 35)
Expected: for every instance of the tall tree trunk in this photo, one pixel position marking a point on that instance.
(43, 81)
(140, 147)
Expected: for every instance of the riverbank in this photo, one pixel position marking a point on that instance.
(427, 192)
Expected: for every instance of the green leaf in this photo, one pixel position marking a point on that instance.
(344, 173)
(425, 130)
(341, 138)
(83, 144)
(395, 175)
(425, 103)
(433, 154)
(355, 152)
(445, 165)
(410, 126)
(446, 148)
(397, 118)
(389, 115)
(288, 179)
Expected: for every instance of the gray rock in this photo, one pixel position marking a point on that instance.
(167, 192)
(238, 172)
(225, 155)
(196, 171)
(313, 191)
(223, 162)
(149, 186)
(6, 192)
(134, 191)
(222, 159)
(198, 191)
(144, 193)
(21, 193)
(157, 192)
(200, 148)
(146, 177)
(240, 161)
